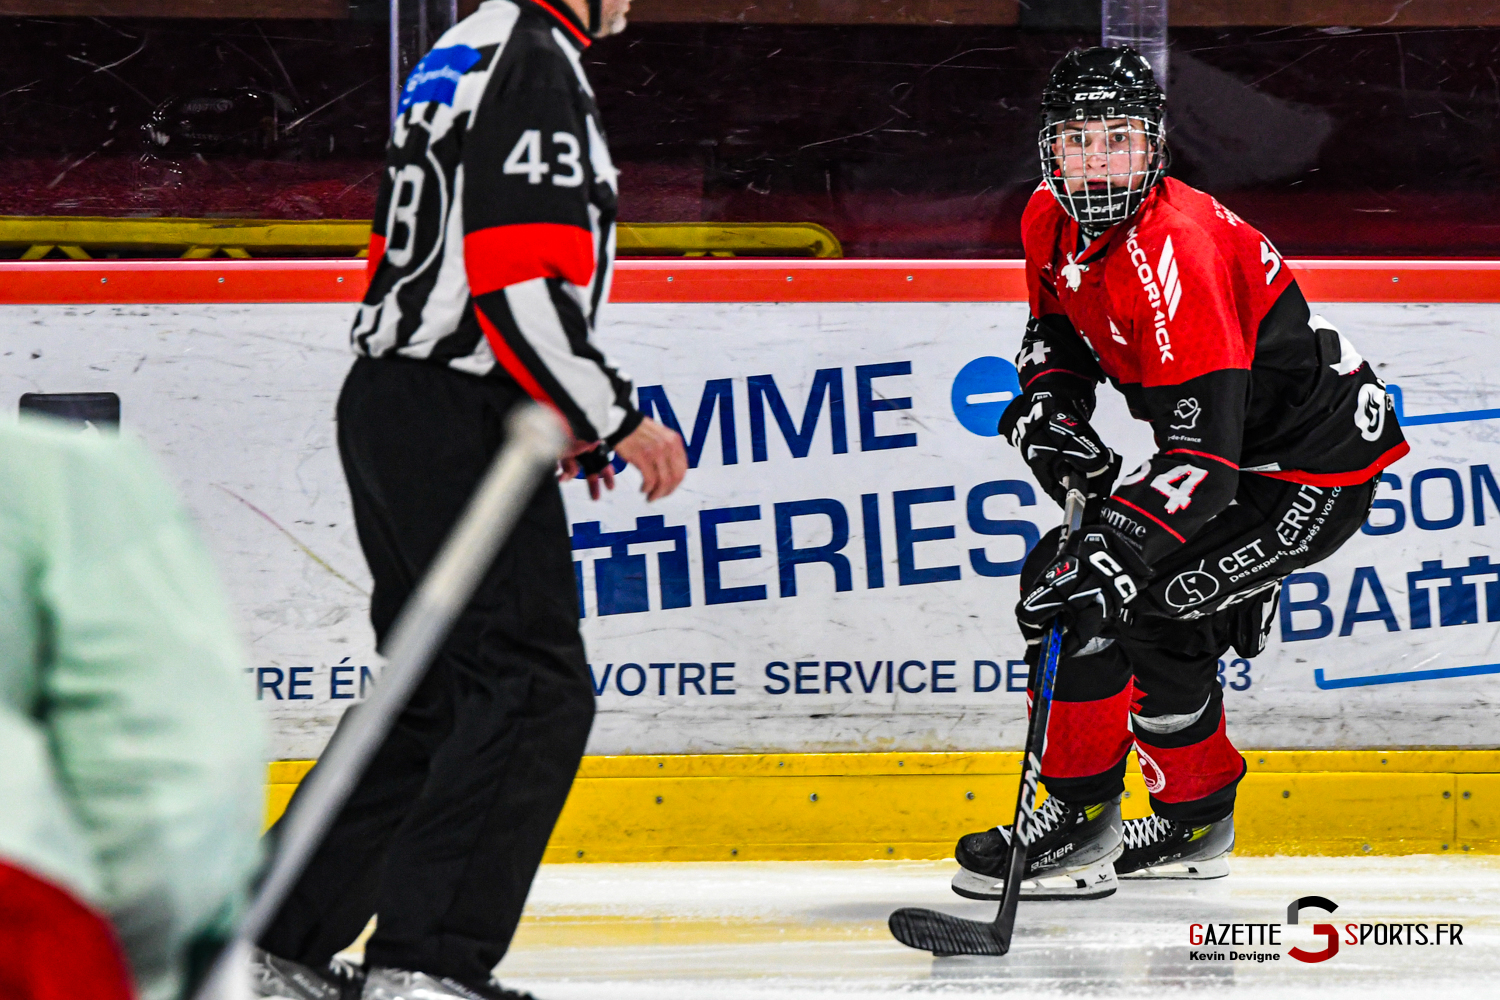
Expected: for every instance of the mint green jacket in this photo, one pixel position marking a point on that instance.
(131, 752)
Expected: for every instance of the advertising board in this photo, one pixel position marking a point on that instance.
(838, 570)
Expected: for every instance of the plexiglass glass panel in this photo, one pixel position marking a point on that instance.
(1356, 127)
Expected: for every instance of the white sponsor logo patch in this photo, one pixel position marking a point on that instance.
(1192, 586)
(1155, 779)
(1187, 411)
(1163, 298)
(1226, 214)
(1034, 353)
(1166, 271)
(1369, 411)
(1295, 520)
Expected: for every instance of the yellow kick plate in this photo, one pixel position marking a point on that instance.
(913, 806)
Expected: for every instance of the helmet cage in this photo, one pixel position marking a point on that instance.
(1098, 208)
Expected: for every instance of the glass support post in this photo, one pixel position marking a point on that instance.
(1142, 25)
(395, 56)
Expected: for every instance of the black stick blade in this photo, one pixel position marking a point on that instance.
(944, 934)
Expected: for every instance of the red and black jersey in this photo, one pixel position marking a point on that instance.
(494, 233)
(1192, 314)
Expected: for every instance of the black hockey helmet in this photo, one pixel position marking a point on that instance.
(1099, 85)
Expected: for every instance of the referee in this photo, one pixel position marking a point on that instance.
(492, 249)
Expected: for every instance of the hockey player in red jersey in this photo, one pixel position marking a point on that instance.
(1271, 432)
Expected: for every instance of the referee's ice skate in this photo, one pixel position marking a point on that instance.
(404, 984)
(1073, 852)
(276, 978)
(1162, 848)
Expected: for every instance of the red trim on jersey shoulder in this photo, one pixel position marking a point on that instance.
(1167, 528)
(512, 364)
(507, 255)
(1055, 371)
(372, 260)
(1342, 478)
(566, 22)
(1201, 454)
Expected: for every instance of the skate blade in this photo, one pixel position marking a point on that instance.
(1092, 882)
(1212, 868)
(944, 934)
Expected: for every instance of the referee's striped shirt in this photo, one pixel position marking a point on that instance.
(494, 233)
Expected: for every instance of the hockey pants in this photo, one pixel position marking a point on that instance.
(445, 830)
(1156, 686)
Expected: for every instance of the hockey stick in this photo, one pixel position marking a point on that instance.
(942, 933)
(534, 440)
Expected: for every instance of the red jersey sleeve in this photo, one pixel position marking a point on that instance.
(1194, 370)
(1041, 228)
(1180, 300)
(1053, 357)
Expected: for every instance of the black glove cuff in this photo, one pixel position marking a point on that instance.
(1118, 544)
(593, 462)
(1014, 411)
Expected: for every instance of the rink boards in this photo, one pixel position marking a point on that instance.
(832, 586)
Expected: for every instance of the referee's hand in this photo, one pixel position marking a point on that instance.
(659, 455)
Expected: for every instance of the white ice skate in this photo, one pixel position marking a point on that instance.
(1072, 854)
(276, 978)
(1157, 848)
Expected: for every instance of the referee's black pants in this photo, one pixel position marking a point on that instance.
(445, 831)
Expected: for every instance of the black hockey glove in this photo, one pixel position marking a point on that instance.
(1055, 441)
(1095, 577)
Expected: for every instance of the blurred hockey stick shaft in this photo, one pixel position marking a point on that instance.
(534, 441)
(1036, 742)
(943, 933)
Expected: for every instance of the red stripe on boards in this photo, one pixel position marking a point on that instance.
(699, 280)
(377, 251)
(507, 255)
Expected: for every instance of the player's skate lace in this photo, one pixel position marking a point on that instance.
(1141, 833)
(1044, 819)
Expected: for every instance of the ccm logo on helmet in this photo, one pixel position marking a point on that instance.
(1095, 95)
(1165, 297)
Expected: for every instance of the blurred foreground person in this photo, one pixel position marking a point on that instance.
(133, 760)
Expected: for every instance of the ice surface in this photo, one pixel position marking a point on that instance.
(796, 931)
